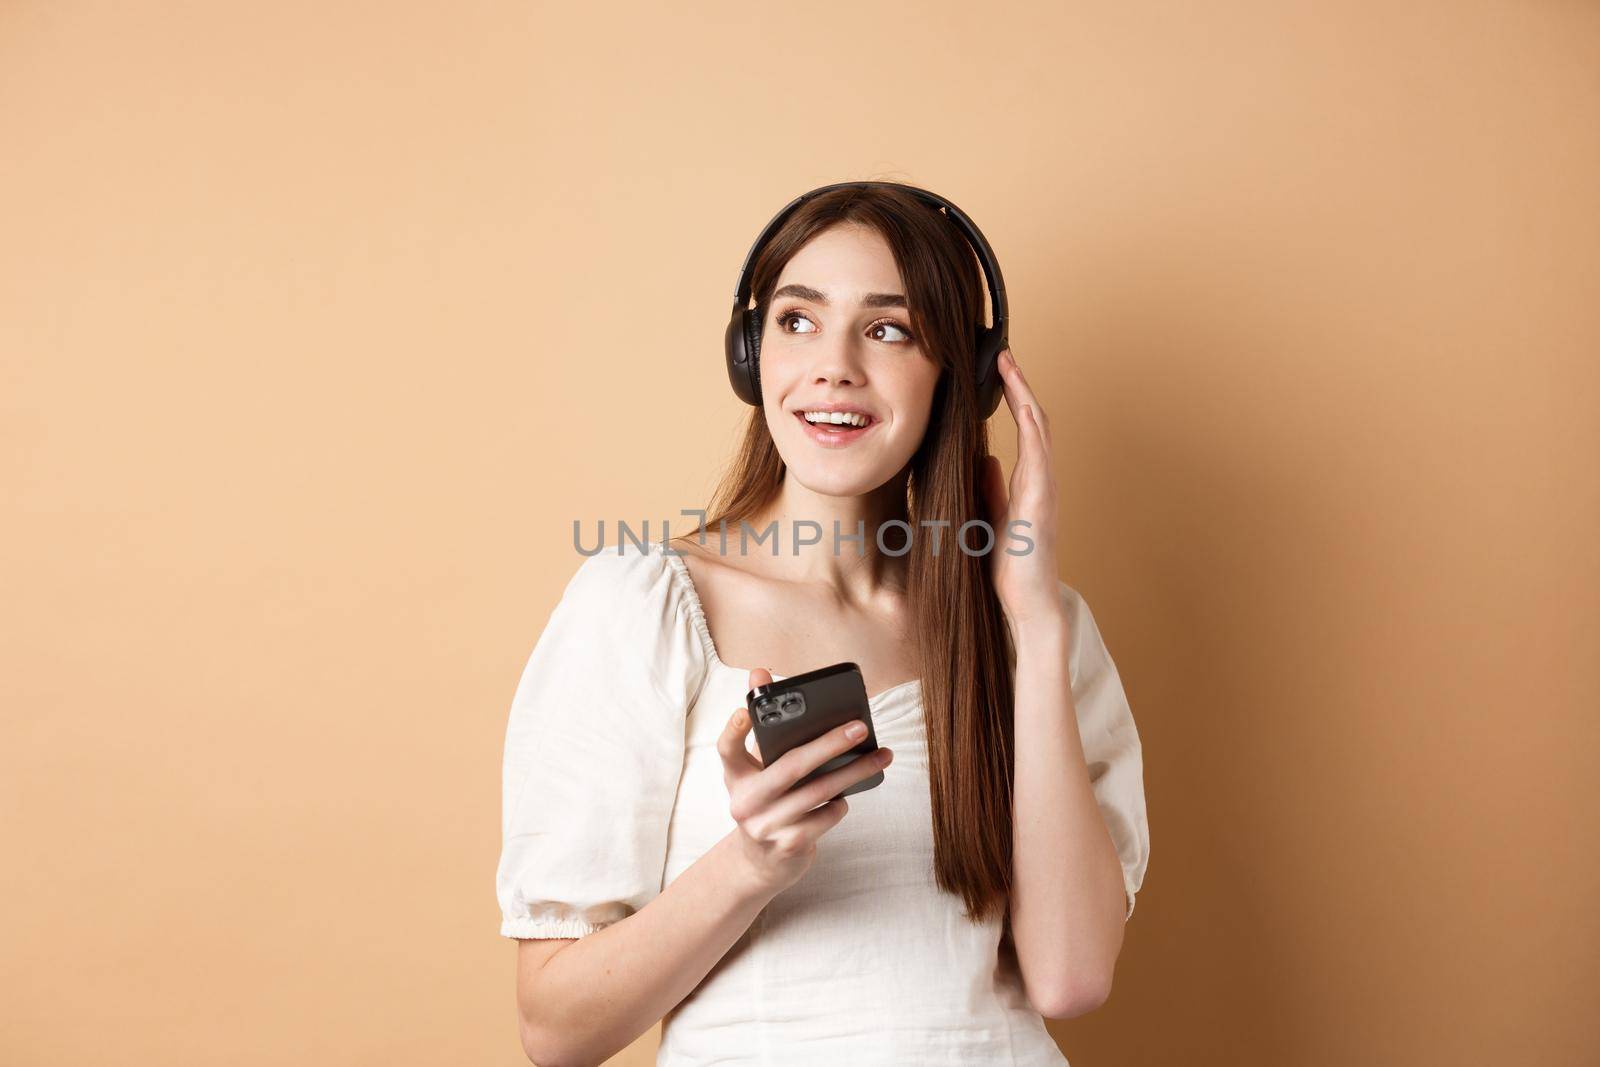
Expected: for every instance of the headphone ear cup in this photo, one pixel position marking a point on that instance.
(740, 349)
(987, 346)
(752, 342)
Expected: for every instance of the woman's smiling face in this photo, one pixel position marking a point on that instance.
(837, 337)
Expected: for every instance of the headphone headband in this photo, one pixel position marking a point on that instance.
(743, 335)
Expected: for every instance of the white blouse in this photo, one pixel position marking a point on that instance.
(613, 787)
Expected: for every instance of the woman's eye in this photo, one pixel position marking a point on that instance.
(783, 321)
(905, 335)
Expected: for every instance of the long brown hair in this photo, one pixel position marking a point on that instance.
(962, 643)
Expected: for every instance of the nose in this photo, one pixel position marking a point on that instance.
(838, 364)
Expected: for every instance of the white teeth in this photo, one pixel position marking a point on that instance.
(840, 418)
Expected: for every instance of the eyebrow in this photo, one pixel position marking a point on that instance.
(871, 300)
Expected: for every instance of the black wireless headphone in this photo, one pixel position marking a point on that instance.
(743, 337)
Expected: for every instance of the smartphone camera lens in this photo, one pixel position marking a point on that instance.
(770, 710)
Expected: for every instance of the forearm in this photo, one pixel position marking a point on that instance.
(594, 997)
(1068, 902)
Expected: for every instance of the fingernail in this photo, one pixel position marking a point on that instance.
(856, 731)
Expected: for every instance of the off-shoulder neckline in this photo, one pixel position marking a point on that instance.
(680, 571)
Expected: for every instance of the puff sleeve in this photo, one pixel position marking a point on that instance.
(594, 749)
(1111, 747)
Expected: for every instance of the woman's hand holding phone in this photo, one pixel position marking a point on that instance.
(777, 827)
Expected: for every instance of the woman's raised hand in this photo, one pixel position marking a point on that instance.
(777, 826)
(1026, 583)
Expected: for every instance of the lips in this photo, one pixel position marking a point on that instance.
(833, 436)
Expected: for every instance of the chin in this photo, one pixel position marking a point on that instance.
(840, 477)
(837, 483)
(843, 472)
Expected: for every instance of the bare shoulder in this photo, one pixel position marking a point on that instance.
(713, 561)
(734, 594)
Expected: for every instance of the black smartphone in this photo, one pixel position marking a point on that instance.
(803, 708)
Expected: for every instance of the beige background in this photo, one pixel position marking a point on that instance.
(321, 323)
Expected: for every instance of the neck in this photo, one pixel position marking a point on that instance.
(856, 570)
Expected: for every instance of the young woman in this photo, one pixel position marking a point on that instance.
(653, 868)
